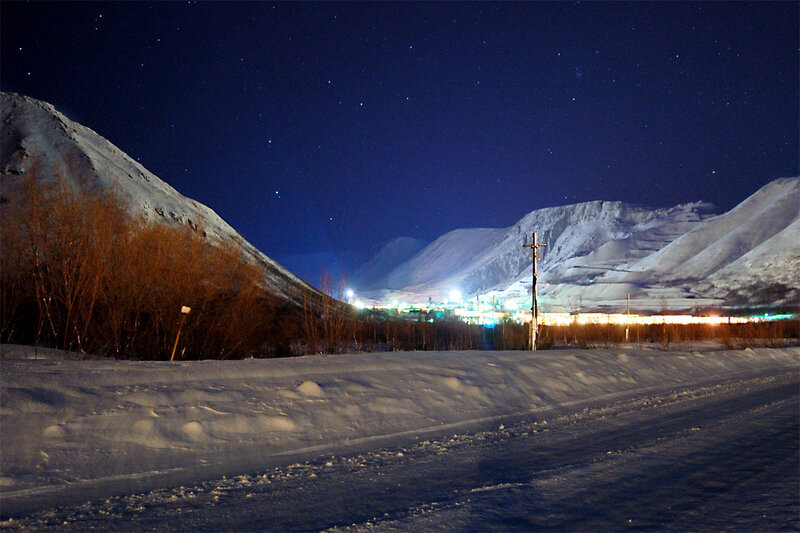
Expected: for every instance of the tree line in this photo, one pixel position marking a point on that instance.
(79, 273)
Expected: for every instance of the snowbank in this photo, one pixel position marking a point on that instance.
(67, 423)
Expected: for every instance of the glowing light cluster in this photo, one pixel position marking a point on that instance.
(565, 319)
(485, 315)
(490, 311)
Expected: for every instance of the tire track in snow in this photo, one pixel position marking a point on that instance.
(653, 459)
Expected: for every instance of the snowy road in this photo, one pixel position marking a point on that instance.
(721, 456)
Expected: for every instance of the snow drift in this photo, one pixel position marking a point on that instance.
(69, 424)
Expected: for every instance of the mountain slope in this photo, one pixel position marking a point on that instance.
(35, 134)
(373, 273)
(599, 252)
(723, 239)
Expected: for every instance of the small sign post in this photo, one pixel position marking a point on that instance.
(184, 313)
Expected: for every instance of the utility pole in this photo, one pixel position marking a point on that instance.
(628, 321)
(534, 309)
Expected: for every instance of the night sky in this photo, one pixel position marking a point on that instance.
(321, 130)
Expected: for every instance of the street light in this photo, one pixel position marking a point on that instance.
(184, 312)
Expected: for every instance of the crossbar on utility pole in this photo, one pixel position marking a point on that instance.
(534, 308)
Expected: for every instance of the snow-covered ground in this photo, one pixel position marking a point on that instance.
(74, 430)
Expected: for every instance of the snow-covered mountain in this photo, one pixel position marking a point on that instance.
(372, 274)
(34, 133)
(598, 252)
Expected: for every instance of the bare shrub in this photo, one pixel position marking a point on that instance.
(590, 335)
(13, 283)
(546, 338)
(768, 334)
(328, 323)
(62, 239)
(94, 280)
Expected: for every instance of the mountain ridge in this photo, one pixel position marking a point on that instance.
(687, 257)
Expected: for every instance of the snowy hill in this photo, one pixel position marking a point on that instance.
(35, 134)
(599, 252)
(372, 274)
